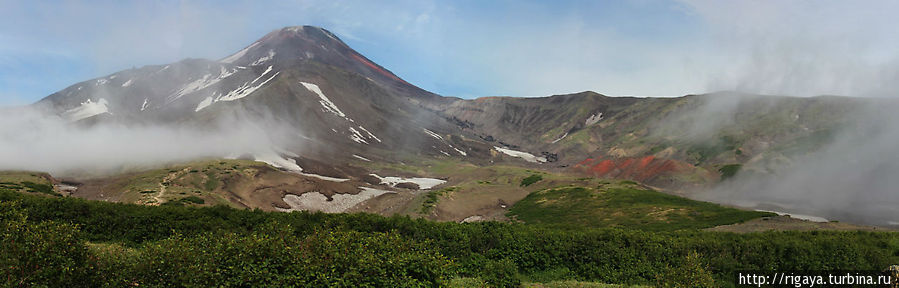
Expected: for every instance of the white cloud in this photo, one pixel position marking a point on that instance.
(33, 141)
(802, 48)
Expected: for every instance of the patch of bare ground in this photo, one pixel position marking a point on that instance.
(237, 183)
(785, 223)
(399, 202)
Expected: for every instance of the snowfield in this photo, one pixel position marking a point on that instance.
(246, 89)
(423, 183)
(435, 135)
(277, 161)
(243, 91)
(798, 216)
(203, 104)
(560, 138)
(372, 136)
(87, 109)
(315, 201)
(523, 155)
(263, 59)
(593, 119)
(326, 178)
(357, 136)
(202, 83)
(324, 101)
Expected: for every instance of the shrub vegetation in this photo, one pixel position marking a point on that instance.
(51, 241)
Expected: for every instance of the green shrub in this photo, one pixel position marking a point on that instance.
(278, 258)
(45, 254)
(156, 246)
(692, 272)
(212, 182)
(193, 199)
(433, 197)
(527, 181)
(501, 273)
(185, 201)
(40, 188)
(729, 171)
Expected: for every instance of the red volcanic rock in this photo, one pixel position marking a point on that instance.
(644, 169)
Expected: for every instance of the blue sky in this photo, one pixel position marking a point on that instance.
(482, 48)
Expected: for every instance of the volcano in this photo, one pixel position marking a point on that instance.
(350, 117)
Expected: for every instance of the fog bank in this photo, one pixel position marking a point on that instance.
(34, 141)
(853, 176)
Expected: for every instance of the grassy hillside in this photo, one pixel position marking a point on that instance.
(51, 240)
(623, 204)
(201, 182)
(27, 182)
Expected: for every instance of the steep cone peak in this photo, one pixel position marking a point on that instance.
(294, 42)
(309, 33)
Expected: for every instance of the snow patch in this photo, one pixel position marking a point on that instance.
(246, 89)
(326, 103)
(263, 59)
(113, 77)
(202, 83)
(560, 138)
(435, 135)
(236, 56)
(87, 109)
(329, 35)
(144, 106)
(326, 178)
(356, 136)
(371, 136)
(473, 218)
(460, 151)
(361, 158)
(315, 201)
(798, 216)
(223, 73)
(101, 82)
(423, 183)
(523, 155)
(278, 161)
(203, 104)
(593, 119)
(444, 153)
(127, 83)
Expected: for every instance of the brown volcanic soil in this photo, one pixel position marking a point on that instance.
(237, 183)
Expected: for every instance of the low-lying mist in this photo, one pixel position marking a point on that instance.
(852, 176)
(35, 141)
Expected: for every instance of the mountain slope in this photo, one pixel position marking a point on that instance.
(334, 99)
